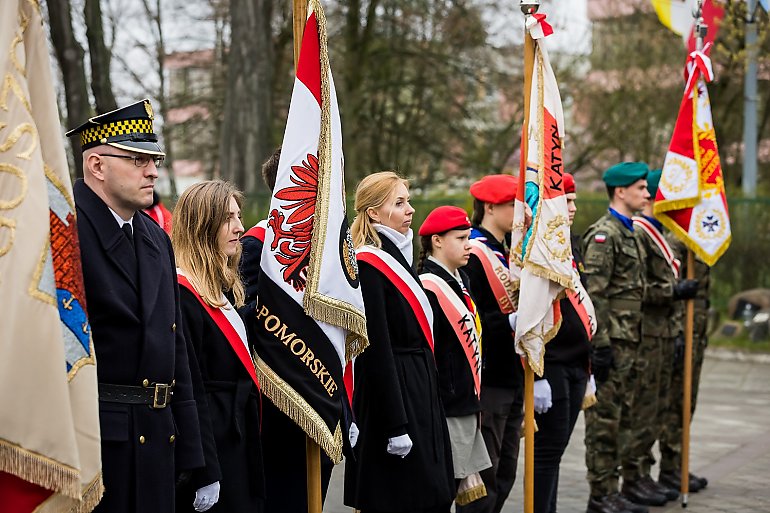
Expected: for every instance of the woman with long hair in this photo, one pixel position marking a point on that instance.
(403, 460)
(444, 238)
(205, 235)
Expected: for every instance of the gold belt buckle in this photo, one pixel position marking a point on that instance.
(161, 397)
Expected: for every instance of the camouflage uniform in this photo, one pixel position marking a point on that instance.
(670, 438)
(615, 282)
(654, 365)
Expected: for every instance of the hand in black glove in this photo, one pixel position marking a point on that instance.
(679, 351)
(602, 361)
(685, 289)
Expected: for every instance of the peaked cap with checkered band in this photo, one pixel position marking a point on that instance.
(128, 128)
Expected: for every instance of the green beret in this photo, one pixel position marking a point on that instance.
(653, 179)
(625, 173)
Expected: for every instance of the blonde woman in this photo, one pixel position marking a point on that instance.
(403, 459)
(205, 235)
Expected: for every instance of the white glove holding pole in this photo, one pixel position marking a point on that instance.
(206, 497)
(592, 384)
(542, 393)
(399, 445)
(512, 317)
(353, 434)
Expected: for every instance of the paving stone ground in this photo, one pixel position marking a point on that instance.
(730, 445)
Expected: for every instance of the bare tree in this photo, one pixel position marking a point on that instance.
(69, 55)
(245, 139)
(100, 54)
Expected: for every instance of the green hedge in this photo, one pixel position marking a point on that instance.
(745, 265)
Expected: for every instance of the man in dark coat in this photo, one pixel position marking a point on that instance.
(148, 418)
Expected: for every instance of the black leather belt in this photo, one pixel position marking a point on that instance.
(156, 395)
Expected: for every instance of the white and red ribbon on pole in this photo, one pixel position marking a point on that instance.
(537, 26)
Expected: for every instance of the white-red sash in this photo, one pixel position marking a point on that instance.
(657, 237)
(237, 343)
(582, 303)
(463, 322)
(498, 276)
(404, 282)
(257, 231)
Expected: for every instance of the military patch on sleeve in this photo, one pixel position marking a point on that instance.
(600, 237)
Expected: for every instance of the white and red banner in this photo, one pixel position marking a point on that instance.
(310, 315)
(50, 457)
(541, 254)
(691, 198)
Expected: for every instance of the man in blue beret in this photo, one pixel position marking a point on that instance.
(615, 279)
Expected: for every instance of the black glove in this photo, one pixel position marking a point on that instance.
(602, 361)
(685, 289)
(679, 351)
(183, 478)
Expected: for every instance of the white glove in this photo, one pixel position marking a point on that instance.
(542, 394)
(206, 497)
(512, 319)
(399, 445)
(353, 434)
(592, 384)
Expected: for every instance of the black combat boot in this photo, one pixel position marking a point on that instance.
(606, 504)
(649, 483)
(671, 479)
(636, 492)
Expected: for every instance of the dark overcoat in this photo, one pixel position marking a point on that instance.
(501, 366)
(132, 300)
(455, 376)
(396, 392)
(230, 418)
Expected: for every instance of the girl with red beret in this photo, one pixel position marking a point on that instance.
(457, 335)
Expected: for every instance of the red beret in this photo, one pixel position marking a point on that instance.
(495, 189)
(569, 183)
(443, 219)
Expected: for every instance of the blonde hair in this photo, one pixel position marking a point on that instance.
(372, 192)
(198, 216)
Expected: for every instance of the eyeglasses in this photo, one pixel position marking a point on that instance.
(139, 160)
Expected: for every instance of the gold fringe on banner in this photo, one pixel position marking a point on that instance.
(471, 489)
(39, 470)
(297, 409)
(92, 494)
(320, 307)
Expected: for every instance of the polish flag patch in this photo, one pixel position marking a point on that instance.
(600, 237)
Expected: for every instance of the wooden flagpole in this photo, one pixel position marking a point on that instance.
(312, 449)
(700, 33)
(686, 401)
(528, 8)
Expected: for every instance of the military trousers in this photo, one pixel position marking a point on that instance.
(667, 352)
(638, 430)
(614, 400)
(670, 438)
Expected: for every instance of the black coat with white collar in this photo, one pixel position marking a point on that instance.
(396, 392)
(455, 377)
(133, 306)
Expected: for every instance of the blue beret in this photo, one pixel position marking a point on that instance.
(625, 173)
(653, 179)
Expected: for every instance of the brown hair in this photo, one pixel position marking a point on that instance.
(270, 169)
(478, 211)
(198, 216)
(426, 249)
(372, 192)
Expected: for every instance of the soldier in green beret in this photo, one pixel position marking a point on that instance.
(615, 282)
(655, 357)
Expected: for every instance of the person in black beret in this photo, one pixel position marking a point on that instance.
(150, 432)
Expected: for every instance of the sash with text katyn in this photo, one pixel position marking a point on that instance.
(463, 323)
